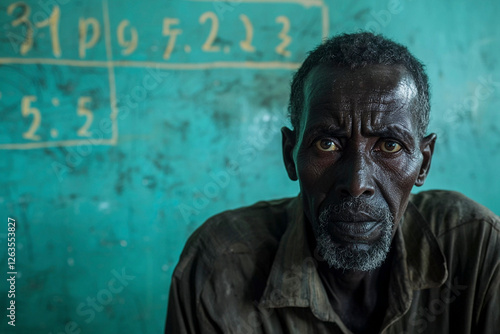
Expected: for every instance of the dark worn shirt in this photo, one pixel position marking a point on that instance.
(251, 270)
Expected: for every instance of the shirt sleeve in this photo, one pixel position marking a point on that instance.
(181, 314)
(488, 321)
(186, 312)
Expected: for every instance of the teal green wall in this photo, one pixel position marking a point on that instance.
(177, 139)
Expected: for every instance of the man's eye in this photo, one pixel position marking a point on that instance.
(390, 146)
(326, 145)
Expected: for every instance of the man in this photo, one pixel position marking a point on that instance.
(354, 252)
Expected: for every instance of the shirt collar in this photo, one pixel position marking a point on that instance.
(425, 262)
(295, 282)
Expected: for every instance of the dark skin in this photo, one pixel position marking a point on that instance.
(358, 137)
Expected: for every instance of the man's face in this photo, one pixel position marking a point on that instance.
(357, 157)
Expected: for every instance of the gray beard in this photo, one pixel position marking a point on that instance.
(353, 258)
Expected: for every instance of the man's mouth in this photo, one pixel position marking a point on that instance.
(355, 231)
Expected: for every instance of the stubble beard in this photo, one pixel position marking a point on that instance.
(352, 257)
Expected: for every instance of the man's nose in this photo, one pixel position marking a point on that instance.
(355, 176)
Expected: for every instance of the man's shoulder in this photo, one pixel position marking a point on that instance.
(450, 211)
(243, 230)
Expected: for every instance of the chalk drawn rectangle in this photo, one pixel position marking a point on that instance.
(63, 106)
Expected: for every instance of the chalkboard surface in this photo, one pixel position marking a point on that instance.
(125, 124)
(70, 75)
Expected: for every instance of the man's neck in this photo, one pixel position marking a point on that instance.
(349, 282)
(358, 297)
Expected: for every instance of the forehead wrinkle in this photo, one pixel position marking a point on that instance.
(376, 126)
(329, 121)
(392, 100)
(370, 96)
(340, 115)
(407, 87)
(326, 107)
(374, 121)
(313, 89)
(344, 96)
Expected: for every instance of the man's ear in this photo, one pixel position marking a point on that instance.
(288, 143)
(427, 149)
